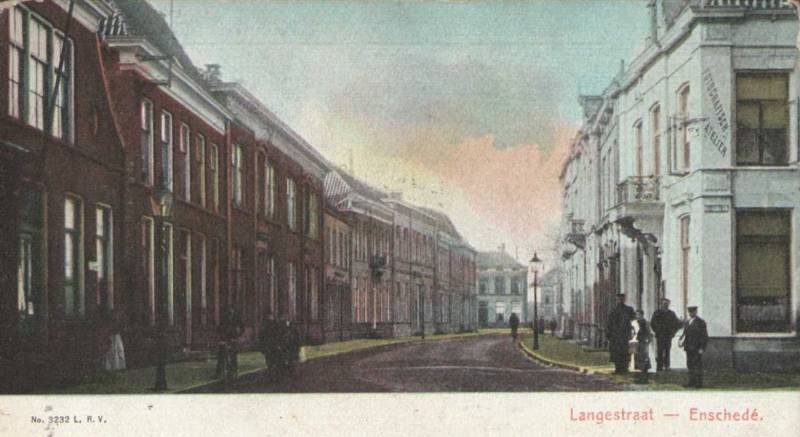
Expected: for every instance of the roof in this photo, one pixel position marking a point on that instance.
(443, 221)
(493, 260)
(140, 18)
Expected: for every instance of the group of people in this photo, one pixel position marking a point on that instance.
(279, 341)
(625, 337)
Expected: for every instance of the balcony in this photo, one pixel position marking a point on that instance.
(640, 210)
(576, 234)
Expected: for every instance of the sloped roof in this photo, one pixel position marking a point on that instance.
(362, 187)
(493, 260)
(140, 18)
(443, 220)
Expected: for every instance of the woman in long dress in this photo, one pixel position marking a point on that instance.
(641, 359)
(115, 356)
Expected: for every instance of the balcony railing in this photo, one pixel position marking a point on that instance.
(638, 189)
(749, 4)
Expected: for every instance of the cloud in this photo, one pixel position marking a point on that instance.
(484, 143)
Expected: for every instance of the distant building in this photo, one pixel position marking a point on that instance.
(502, 288)
(550, 295)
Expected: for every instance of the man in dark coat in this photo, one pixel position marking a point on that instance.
(513, 322)
(665, 324)
(619, 332)
(694, 338)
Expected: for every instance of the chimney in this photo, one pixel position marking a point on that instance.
(502, 248)
(213, 73)
(396, 195)
(652, 4)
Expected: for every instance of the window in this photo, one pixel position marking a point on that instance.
(269, 189)
(74, 305)
(313, 292)
(104, 257)
(516, 308)
(147, 139)
(200, 157)
(763, 273)
(637, 144)
(291, 203)
(499, 285)
(291, 297)
(186, 148)
(238, 174)
(35, 70)
(500, 312)
(685, 253)
(762, 118)
(312, 215)
(683, 151)
(30, 268)
(238, 279)
(186, 273)
(213, 167)
(147, 250)
(514, 286)
(272, 280)
(203, 280)
(170, 273)
(166, 150)
(655, 126)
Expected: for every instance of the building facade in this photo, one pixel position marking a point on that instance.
(663, 197)
(502, 289)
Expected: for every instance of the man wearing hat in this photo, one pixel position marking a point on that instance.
(619, 332)
(665, 324)
(694, 339)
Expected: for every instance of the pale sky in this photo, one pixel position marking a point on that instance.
(466, 106)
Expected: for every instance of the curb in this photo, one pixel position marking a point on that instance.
(553, 363)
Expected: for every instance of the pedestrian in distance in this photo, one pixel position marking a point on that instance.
(619, 332)
(694, 340)
(553, 326)
(513, 322)
(641, 359)
(665, 324)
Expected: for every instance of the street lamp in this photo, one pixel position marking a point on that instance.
(535, 263)
(161, 205)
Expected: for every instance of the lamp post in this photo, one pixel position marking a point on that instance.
(535, 264)
(161, 205)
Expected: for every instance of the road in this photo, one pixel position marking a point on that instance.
(472, 364)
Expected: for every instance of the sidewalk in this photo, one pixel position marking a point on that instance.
(185, 375)
(563, 353)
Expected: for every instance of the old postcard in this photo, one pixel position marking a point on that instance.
(480, 217)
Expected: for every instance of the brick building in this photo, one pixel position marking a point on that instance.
(61, 168)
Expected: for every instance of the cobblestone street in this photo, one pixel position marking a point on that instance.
(476, 364)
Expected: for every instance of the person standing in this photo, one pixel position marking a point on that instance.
(513, 322)
(641, 359)
(695, 339)
(619, 332)
(230, 329)
(665, 324)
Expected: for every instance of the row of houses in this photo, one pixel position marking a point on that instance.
(144, 195)
(683, 183)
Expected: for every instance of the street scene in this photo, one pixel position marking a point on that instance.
(405, 196)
